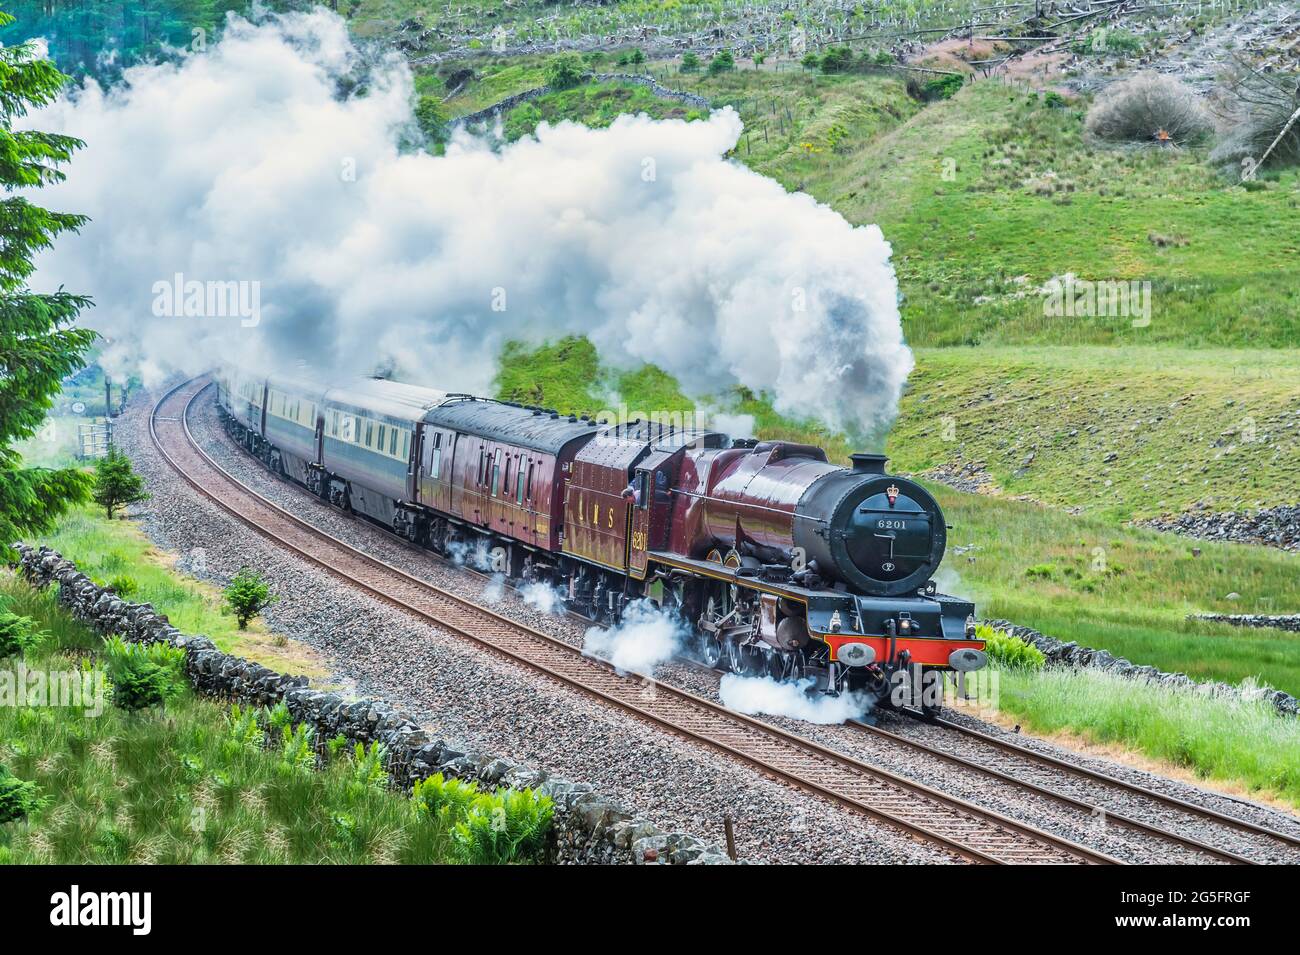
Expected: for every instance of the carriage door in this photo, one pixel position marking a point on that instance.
(639, 525)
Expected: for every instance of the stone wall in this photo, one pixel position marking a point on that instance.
(1287, 621)
(1071, 654)
(589, 828)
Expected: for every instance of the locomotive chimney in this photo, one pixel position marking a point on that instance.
(868, 463)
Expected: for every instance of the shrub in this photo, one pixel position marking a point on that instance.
(942, 87)
(722, 62)
(1148, 108)
(506, 826)
(248, 595)
(838, 59)
(18, 797)
(690, 62)
(565, 71)
(17, 634)
(143, 676)
(123, 585)
(116, 484)
(431, 117)
(1008, 652)
(1260, 116)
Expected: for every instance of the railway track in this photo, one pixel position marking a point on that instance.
(975, 834)
(1006, 760)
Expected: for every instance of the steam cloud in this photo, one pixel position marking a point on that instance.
(645, 638)
(761, 695)
(245, 163)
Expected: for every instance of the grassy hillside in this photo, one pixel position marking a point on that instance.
(1123, 433)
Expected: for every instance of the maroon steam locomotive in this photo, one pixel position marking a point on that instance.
(784, 564)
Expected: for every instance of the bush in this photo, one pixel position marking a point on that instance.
(565, 71)
(838, 59)
(248, 595)
(116, 484)
(722, 62)
(1008, 652)
(942, 87)
(1148, 108)
(431, 117)
(143, 676)
(690, 62)
(1258, 113)
(509, 825)
(17, 634)
(18, 798)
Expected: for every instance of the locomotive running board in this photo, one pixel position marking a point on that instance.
(708, 568)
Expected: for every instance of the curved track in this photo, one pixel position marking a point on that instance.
(1007, 762)
(970, 832)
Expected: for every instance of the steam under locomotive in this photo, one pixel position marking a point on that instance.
(785, 564)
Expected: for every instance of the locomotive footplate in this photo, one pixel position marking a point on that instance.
(932, 630)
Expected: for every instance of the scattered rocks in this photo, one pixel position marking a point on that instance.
(1274, 526)
(588, 828)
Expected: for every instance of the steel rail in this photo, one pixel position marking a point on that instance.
(967, 830)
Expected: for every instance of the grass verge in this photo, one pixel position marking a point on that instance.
(1234, 742)
(197, 784)
(117, 553)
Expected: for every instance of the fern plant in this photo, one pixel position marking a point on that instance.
(18, 797)
(1008, 652)
(507, 826)
(445, 801)
(298, 748)
(143, 676)
(244, 728)
(368, 766)
(17, 634)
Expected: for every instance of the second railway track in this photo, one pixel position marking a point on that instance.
(963, 828)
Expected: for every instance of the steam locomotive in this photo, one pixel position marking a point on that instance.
(783, 563)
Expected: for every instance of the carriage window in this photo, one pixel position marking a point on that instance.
(482, 461)
(519, 486)
(506, 482)
(383, 435)
(406, 444)
(496, 472)
(530, 480)
(370, 434)
(435, 464)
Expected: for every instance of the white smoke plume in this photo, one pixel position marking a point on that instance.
(245, 163)
(646, 637)
(542, 596)
(494, 590)
(752, 695)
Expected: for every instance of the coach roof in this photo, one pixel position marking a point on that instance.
(392, 398)
(545, 431)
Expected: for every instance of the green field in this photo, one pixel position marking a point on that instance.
(199, 783)
(115, 551)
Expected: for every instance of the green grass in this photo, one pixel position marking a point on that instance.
(177, 788)
(1185, 427)
(196, 784)
(1226, 740)
(1125, 590)
(105, 550)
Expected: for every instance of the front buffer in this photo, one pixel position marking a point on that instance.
(880, 644)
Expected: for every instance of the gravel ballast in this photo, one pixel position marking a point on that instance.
(676, 783)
